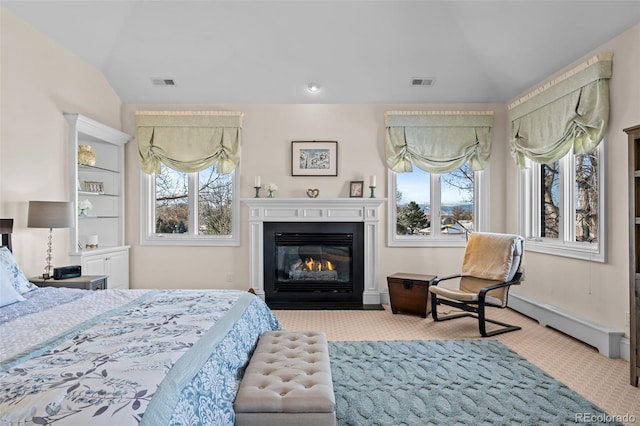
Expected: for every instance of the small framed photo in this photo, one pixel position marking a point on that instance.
(93, 186)
(314, 158)
(356, 189)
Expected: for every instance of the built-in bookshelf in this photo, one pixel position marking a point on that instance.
(634, 252)
(97, 239)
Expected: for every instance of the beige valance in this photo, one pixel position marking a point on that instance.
(189, 141)
(437, 141)
(571, 111)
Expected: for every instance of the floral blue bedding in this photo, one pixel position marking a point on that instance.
(156, 357)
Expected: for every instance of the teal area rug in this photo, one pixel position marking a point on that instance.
(455, 382)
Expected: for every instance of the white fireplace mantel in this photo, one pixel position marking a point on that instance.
(365, 210)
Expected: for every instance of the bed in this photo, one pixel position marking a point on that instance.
(149, 357)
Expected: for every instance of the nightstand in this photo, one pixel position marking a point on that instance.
(84, 282)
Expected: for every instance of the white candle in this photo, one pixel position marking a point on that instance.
(257, 182)
(372, 181)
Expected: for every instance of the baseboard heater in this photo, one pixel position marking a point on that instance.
(609, 342)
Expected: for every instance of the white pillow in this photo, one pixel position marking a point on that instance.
(13, 274)
(8, 294)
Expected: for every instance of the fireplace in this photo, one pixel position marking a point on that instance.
(326, 211)
(313, 264)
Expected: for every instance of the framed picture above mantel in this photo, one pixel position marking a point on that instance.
(314, 158)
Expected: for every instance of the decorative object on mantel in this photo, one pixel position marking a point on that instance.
(314, 158)
(271, 190)
(372, 186)
(356, 188)
(257, 186)
(313, 192)
(86, 156)
(83, 207)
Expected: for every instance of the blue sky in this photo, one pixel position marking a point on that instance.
(415, 187)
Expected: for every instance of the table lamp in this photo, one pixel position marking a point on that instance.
(50, 214)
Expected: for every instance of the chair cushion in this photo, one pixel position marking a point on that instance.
(464, 296)
(492, 256)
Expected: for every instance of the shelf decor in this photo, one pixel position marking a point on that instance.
(86, 156)
(94, 186)
(314, 158)
(83, 207)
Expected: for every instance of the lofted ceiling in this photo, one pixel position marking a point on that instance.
(356, 51)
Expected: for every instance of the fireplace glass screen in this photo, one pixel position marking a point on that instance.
(304, 261)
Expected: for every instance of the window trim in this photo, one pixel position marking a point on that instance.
(529, 203)
(480, 213)
(147, 224)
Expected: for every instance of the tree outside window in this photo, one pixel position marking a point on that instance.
(430, 207)
(191, 208)
(561, 206)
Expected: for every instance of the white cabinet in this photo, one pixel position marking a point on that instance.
(102, 186)
(111, 262)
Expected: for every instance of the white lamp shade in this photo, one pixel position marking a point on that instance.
(50, 214)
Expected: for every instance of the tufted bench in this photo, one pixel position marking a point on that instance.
(287, 382)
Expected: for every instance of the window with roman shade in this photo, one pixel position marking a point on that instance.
(556, 140)
(571, 111)
(437, 141)
(189, 141)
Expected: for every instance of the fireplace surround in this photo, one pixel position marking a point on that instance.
(365, 211)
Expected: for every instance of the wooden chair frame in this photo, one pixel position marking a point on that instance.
(475, 309)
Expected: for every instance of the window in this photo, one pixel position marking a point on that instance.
(561, 206)
(429, 209)
(199, 208)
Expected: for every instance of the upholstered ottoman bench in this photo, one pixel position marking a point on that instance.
(287, 382)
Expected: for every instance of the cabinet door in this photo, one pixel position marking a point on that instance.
(94, 265)
(114, 264)
(118, 270)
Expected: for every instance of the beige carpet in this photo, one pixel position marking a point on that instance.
(599, 379)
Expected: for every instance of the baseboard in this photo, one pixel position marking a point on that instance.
(609, 342)
(371, 297)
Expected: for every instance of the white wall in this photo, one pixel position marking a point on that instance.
(266, 151)
(39, 81)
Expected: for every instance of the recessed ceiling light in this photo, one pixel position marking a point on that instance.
(313, 87)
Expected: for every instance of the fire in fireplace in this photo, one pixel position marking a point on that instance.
(312, 269)
(313, 262)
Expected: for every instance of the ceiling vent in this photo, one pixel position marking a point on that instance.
(163, 82)
(424, 81)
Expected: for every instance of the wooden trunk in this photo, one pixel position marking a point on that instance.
(409, 293)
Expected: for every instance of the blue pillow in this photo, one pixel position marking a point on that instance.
(8, 294)
(10, 272)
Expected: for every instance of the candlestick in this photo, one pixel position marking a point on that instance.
(372, 181)
(372, 188)
(257, 191)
